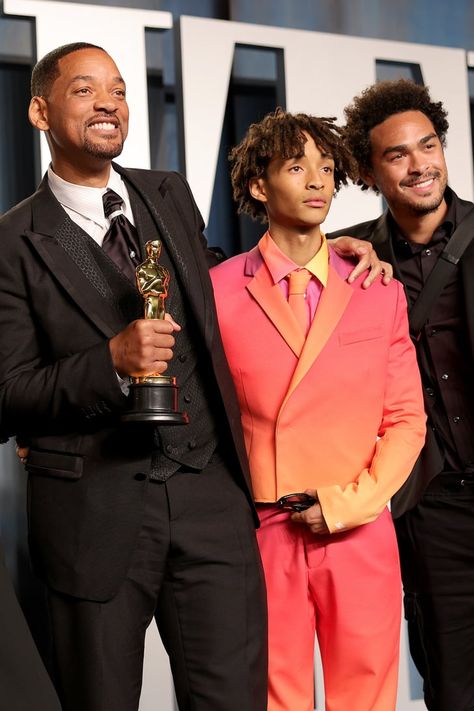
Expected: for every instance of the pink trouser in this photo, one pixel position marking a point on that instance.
(346, 587)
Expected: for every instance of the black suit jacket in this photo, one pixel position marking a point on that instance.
(59, 391)
(431, 460)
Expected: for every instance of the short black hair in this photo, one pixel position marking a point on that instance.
(281, 135)
(376, 104)
(46, 70)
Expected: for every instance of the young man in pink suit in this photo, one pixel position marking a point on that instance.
(331, 405)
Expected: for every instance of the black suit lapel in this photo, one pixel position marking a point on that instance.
(73, 265)
(185, 254)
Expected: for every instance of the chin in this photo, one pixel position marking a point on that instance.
(104, 152)
(424, 208)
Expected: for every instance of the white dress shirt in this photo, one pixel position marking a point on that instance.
(84, 204)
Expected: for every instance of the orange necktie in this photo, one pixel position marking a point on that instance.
(298, 281)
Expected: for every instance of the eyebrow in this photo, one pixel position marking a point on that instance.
(303, 155)
(90, 77)
(403, 146)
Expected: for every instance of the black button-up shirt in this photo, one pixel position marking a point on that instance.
(443, 351)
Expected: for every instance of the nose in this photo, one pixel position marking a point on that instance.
(315, 180)
(104, 101)
(418, 162)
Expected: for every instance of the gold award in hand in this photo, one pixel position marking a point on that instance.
(154, 397)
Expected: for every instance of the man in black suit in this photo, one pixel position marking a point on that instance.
(126, 522)
(24, 682)
(397, 135)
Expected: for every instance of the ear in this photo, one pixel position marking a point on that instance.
(257, 189)
(368, 178)
(38, 113)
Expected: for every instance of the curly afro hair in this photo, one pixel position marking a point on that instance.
(376, 104)
(280, 135)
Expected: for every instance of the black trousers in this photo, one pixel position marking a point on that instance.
(197, 570)
(436, 542)
(24, 682)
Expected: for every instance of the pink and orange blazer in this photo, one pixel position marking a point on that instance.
(340, 412)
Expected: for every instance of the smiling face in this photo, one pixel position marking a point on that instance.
(85, 114)
(408, 165)
(297, 192)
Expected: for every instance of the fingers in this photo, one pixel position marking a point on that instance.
(312, 517)
(347, 246)
(378, 269)
(387, 271)
(367, 259)
(144, 347)
(22, 453)
(171, 320)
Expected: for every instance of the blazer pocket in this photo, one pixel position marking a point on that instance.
(55, 464)
(360, 334)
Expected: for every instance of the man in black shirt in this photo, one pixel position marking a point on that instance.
(397, 135)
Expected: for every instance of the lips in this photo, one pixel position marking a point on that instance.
(423, 183)
(104, 123)
(315, 202)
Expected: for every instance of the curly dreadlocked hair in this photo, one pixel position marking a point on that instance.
(376, 104)
(280, 135)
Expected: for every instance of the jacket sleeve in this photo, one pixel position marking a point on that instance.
(400, 438)
(39, 391)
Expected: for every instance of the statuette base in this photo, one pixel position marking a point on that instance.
(154, 399)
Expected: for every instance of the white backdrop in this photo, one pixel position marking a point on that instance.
(322, 72)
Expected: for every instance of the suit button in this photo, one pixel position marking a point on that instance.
(170, 449)
(182, 358)
(187, 399)
(192, 444)
(140, 476)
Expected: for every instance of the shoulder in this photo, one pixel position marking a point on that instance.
(15, 222)
(465, 205)
(362, 230)
(377, 291)
(153, 178)
(233, 265)
(230, 274)
(157, 184)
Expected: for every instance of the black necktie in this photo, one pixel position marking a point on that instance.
(121, 239)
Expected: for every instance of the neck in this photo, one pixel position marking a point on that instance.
(96, 176)
(299, 246)
(420, 228)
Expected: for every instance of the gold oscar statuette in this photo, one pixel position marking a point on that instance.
(154, 397)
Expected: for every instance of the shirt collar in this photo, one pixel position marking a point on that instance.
(84, 200)
(279, 265)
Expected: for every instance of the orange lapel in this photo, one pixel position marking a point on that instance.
(332, 304)
(270, 298)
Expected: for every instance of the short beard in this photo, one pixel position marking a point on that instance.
(103, 151)
(426, 209)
